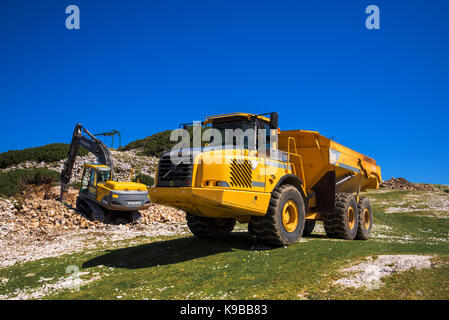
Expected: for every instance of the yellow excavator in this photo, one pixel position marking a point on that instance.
(279, 188)
(99, 194)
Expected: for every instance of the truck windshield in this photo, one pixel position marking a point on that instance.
(247, 128)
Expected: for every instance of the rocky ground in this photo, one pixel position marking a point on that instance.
(38, 211)
(35, 225)
(124, 161)
(370, 272)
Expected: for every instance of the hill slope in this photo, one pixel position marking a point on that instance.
(152, 145)
(47, 153)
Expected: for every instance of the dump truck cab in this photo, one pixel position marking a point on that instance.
(252, 172)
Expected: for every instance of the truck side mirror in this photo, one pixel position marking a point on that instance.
(274, 120)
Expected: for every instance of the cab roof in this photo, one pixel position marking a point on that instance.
(228, 117)
(96, 166)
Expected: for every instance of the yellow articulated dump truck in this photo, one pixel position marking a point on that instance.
(279, 182)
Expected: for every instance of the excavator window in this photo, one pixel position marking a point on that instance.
(92, 186)
(85, 179)
(103, 176)
(92, 178)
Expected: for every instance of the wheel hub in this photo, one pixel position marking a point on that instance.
(351, 218)
(290, 216)
(366, 219)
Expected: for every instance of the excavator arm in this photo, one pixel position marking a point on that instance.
(91, 143)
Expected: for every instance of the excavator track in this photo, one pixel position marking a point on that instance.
(90, 209)
(96, 213)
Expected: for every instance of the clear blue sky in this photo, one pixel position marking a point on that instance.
(145, 66)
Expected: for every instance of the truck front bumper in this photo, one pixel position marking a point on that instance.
(212, 202)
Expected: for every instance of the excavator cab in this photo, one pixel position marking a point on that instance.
(93, 175)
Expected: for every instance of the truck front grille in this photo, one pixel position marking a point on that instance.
(172, 175)
(241, 173)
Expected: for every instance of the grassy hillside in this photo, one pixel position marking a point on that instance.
(156, 144)
(153, 145)
(14, 181)
(48, 153)
(184, 267)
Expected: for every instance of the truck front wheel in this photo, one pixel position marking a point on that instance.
(283, 223)
(209, 227)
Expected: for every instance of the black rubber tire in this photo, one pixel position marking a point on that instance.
(309, 225)
(336, 225)
(363, 233)
(251, 229)
(202, 227)
(269, 228)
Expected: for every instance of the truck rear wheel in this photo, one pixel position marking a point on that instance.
(283, 223)
(309, 225)
(343, 223)
(210, 227)
(365, 219)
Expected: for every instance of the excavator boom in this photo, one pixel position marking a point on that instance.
(91, 143)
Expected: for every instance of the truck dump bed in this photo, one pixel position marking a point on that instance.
(313, 155)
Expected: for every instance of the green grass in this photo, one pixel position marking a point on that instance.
(153, 145)
(14, 181)
(185, 267)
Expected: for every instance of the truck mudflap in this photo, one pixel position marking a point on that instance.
(214, 203)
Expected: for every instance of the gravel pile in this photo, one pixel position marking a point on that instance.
(403, 184)
(37, 211)
(35, 225)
